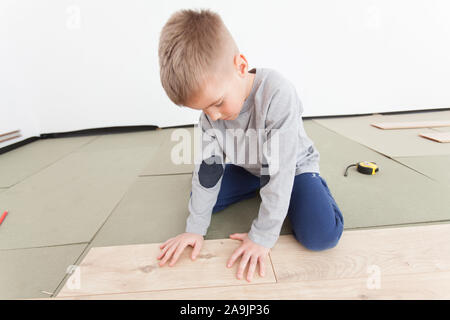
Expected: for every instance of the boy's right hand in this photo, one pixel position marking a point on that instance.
(177, 245)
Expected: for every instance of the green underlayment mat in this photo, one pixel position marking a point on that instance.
(96, 187)
(395, 195)
(155, 207)
(435, 167)
(24, 273)
(26, 160)
(161, 164)
(68, 201)
(393, 143)
(121, 141)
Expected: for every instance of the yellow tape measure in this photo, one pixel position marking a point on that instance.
(365, 167)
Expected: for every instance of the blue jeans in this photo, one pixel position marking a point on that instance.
(317, 223)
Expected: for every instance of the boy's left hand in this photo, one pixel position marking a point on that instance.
(252, 252)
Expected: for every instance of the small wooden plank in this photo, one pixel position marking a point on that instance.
(442, 137)
(10, 138)
(405, 286)
(135, 268)
(9, 133)
(411, 125)
(404, 250)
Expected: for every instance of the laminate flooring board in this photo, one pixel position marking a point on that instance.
(20, 163)
(68, 201)
(386, 263)
(435, 167)
(162, 163)
(360, 253)
(24, 273)
(394, 195)
(411, 124)
(427, 115)
(429, 286)
(155, 208)
(392, 143)
(441, 137)
(136, 268)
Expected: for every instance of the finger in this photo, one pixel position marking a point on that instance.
(196, 251)
(252, 267)
(163, 251)
(169, 253)
(243, 264)
(179, 250)
(262, 266)
(236, 235)
(234, 256)
(165, 243)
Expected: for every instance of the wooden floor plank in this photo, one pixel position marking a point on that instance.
(404, 250)
(411, 124)
(389, 263)
(442, 137)
(418, 286)
(134, 268)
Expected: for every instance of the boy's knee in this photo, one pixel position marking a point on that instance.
(320, 241)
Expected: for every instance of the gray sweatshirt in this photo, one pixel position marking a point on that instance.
(269, 132)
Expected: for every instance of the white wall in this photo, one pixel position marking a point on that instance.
(75, 64)
(15, 102)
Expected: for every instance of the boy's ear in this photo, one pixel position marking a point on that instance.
(240, 63)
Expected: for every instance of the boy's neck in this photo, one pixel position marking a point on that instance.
(250, 80)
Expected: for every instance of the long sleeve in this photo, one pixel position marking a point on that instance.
(206, 178)
(278, 165)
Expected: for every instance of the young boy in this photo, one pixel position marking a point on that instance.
(201, 68)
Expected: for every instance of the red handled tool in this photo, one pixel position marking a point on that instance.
(3, 216)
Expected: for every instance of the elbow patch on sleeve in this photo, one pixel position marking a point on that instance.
(210, 172)
(264, 180)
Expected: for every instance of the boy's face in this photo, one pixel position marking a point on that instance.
(224, 92)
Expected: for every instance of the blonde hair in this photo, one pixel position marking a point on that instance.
(191, 45)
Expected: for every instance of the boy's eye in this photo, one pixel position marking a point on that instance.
(218, 105)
